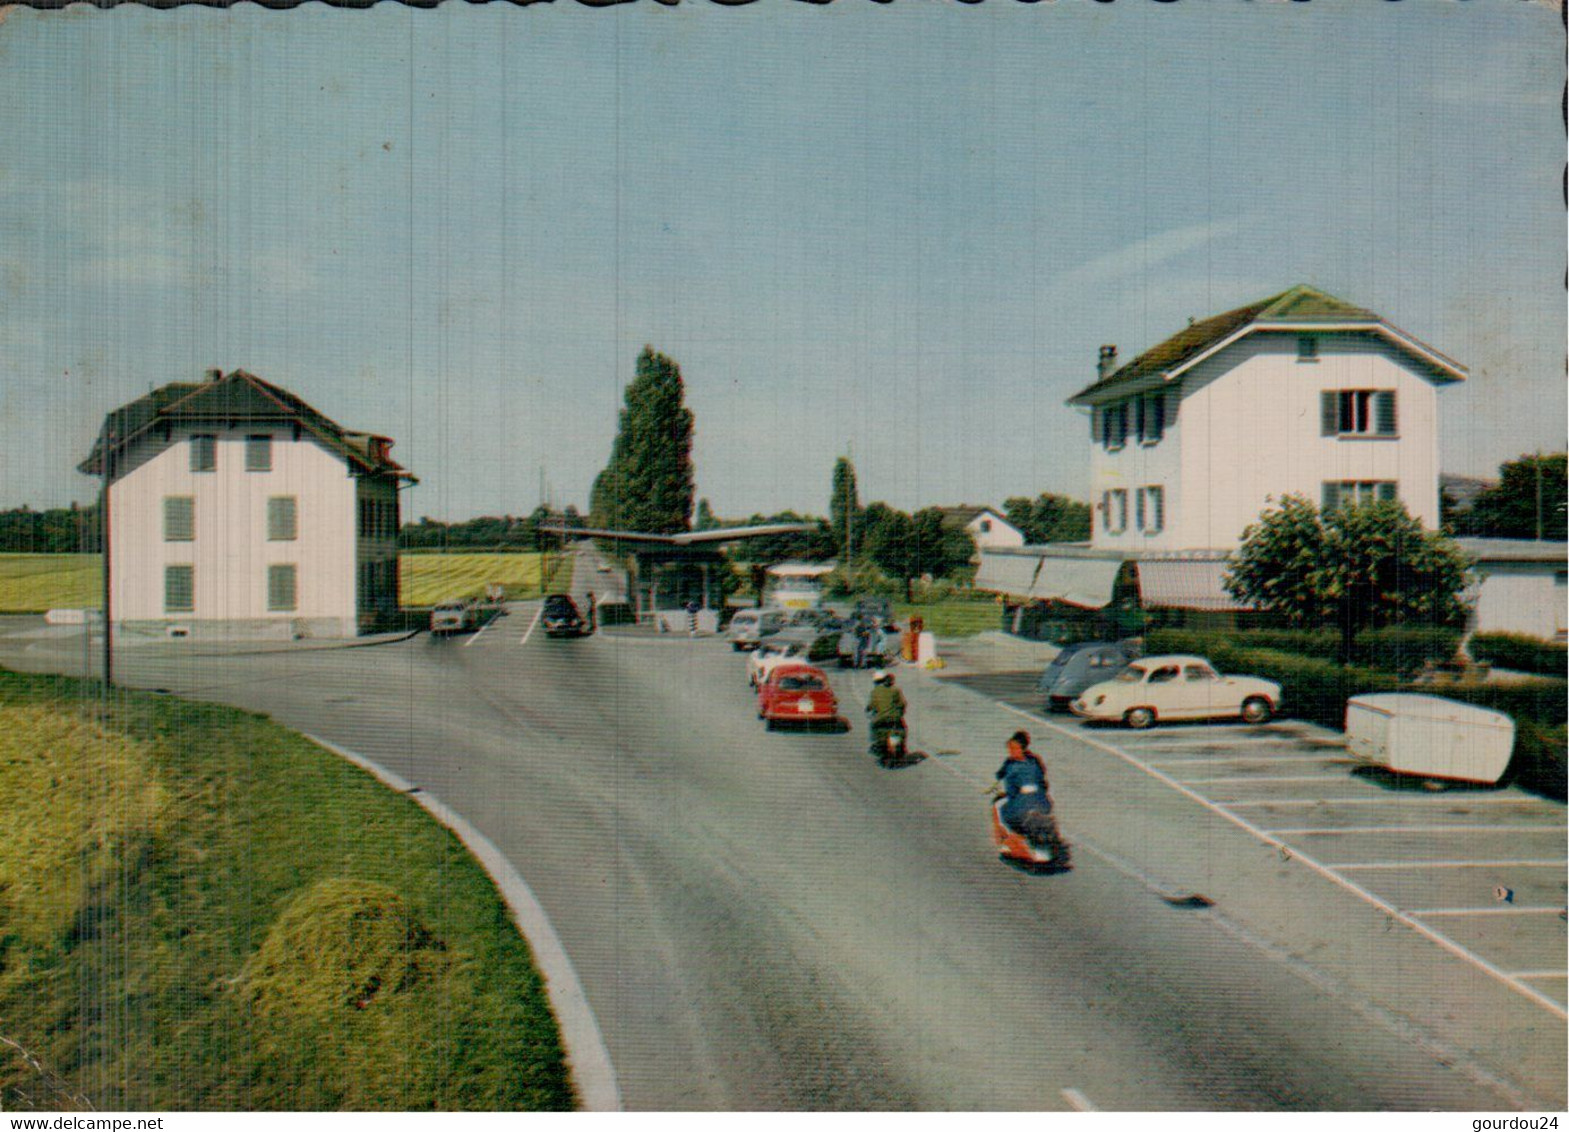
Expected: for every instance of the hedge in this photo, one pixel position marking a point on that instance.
(1520, 653)
(1401, 649)
(1317, 690)
(1404, 648)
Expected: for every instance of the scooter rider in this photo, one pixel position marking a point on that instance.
(886, 707)
(1027, 809)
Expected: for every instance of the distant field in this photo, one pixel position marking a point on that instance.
(35, 583)
(429, 578)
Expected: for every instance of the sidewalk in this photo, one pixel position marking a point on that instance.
(991, 653)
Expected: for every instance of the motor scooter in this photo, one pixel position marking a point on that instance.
(1041, 850)
(893, 749)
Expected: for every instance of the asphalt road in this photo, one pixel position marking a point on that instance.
(769, 920)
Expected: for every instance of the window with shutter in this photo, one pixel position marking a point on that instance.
(1329, 412)
(281, 585)
(1384, 491)
(1155, 418)
(1138, 509)
(1157, 510)
(258, 453)
(1384, 412)
(204, 453)
(282, 518)
(179, 518)
(1331, 497)
(179, 589)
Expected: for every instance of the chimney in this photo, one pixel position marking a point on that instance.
(1107, 363)
(214, 375)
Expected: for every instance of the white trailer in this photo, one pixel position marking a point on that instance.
(1429, 736)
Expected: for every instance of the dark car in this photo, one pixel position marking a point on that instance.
(561, 618)
(1078, 666)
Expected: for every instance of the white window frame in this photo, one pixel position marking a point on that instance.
(1356, 492)
(1149, 510)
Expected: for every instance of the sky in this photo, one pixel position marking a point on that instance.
(894, 232)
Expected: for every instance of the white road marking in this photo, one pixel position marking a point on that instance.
(1259, 779)
(1369, 866)
(481, 632)
(1382, 799)
(1078, 1100)
(1330, 760)
(1557, 830)
(1503, 910)
(529, 632)
(1443, 941)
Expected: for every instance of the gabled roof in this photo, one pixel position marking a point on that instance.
(963, 514)
(1301, 307)
(238, 398)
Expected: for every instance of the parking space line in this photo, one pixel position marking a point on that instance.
(1500, 910)
(529, 632)
(1525, 990)
(1331, 760)
(481, 631)
(1554, 829)
(1541, 974)
(1365, 800)
(1078, 1100)
(1369, 866)
(1259, 779)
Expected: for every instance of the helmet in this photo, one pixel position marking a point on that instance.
(882, 677)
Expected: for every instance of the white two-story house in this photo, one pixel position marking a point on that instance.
(1300, 393)
(236, 507)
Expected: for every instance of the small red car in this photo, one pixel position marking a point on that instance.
(796, 693)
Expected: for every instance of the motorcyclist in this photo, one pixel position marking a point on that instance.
(1027, 805)
(886, 707)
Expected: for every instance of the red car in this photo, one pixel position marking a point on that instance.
(796, 693)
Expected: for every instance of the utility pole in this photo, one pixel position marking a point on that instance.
(106, 459)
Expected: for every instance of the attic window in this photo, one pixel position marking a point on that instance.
(1307, 348)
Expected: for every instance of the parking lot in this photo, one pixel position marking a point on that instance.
(1480, 871)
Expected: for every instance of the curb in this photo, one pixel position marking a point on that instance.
(588, 1060)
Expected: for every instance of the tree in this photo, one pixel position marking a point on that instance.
(844, 509)
(1356, 567)
(1049, 517)
(649, 483)
(705, 520)
(1528, 502)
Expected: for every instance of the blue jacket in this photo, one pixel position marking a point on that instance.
(1024, 787)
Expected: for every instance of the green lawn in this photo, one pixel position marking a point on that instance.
(201, 910)
(954, 617)
(35, 583)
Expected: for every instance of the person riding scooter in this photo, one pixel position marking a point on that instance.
(886, 707)
(1026, 807)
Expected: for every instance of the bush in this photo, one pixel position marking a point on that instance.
(1404, 648)
(1324, 644)
(1520, 653)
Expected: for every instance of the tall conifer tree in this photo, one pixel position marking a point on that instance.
(649, 483)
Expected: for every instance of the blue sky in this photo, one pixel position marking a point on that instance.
(895, 231)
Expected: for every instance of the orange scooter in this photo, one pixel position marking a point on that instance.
(1040, 849)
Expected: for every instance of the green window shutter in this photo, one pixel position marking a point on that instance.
(1384, 412)
(1158, 502)
(1329, 412)
(1157, 417)
(258, 453)
(179, 589)
(281, 584)
(1138, 508)
(204, 453)
(179, 518)
(282, 518)
(1386, 491)
(1331, 498)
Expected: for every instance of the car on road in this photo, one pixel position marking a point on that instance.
(1159, 688)
(458, 616)
(782, 647)
(797, 693)
(749, 626)
(1080, 665)
(560, 617)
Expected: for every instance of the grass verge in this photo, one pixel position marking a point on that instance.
(201, 910)
(952, 617)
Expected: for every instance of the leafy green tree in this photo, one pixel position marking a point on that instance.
(1355, 567)
(844, 508)
(1528, 502)
(1049, 517)
(814, 545)
(649, 482)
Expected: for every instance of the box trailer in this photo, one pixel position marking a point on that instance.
(1429, 736)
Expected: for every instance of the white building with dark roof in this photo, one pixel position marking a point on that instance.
(234, 506)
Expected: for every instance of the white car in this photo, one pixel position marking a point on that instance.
(749, 626)
(771, 654)
(1177, 687)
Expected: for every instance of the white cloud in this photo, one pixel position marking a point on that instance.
(1132, 260)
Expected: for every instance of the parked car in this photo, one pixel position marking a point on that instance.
(749, 626)
(782, 647)
(1160, 688)
(873, 609)
(561, 618)
(1078, 666)
(454, 617)
(796, 693)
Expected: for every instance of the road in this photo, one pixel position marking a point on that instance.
(770, 921)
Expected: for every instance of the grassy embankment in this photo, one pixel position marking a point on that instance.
(202, 910)
(34, 583)
(953, 616)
